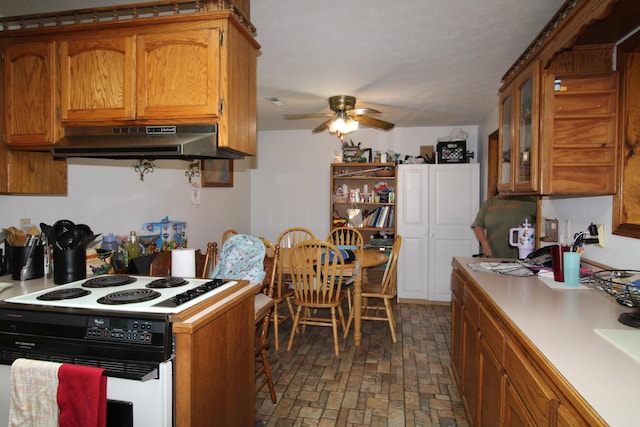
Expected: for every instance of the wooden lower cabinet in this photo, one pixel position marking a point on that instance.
(469, 352)
(503, 381)
(515, 413)
(491, 386)
(530, 386)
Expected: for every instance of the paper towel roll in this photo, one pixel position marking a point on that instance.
(183, 263)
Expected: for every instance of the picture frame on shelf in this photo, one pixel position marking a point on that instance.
(217, 172)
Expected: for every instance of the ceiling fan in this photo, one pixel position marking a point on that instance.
(345, 117)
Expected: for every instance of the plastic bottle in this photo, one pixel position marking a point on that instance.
(110, 243)
(132, 248)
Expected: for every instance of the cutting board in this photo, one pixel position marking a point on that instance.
(625, 340)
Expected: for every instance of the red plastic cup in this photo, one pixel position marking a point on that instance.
(557, 252)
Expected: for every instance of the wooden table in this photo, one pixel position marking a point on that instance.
(370, 258)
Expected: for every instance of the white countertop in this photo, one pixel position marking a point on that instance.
(11, 288)
(561, 323)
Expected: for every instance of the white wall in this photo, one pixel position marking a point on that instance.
(113, 199)
(618, 252)
(290, 185)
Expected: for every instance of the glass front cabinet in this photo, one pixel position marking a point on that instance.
(518, 139)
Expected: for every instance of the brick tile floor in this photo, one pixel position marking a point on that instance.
(380, 383)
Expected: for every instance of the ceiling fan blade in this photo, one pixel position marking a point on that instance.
(374, 123)
(306, 116)
(322, 126)
(361, 111)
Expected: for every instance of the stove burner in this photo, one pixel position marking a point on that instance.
(130, 296)
(108, 280)
(60, 294)
(167, 282)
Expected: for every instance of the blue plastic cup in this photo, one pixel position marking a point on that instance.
(571, 268)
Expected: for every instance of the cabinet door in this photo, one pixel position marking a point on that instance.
(97, 79)
(470, 352)
(491, 386)
(532, 389)
(515, 413)
(526, 120)
(412, 204)
(178, 74)
(505, 139)
(457, 289)
(29, 101)
(518, 139)
(453, 200)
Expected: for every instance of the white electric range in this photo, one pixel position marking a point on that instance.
(136, 294)
(117, 322)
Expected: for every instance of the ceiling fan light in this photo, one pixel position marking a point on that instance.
(343, 126)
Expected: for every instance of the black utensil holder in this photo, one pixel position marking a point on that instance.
(18, 256)
(69, 265)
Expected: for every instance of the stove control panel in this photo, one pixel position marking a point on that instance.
(123, 329)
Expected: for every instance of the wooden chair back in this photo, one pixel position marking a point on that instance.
(264, 306)
(294, 235)
(347, 237)
(317, 273)
(287, 240)
(228, 233)
(389, 278)
(269, 247)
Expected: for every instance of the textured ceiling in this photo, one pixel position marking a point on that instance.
(420, 62)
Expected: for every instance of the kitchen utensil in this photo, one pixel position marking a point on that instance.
(23, 272)
(65, 239)
(82, 244)
(62, 226)
(48, 232)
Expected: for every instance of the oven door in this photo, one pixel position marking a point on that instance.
(151, 401)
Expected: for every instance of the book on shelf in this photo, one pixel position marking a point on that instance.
(382, 218)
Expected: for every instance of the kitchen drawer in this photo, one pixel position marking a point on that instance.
(471, 305)
(598, 131)
(600, 103)
(492, 333)
(592, 82)
(457, 284)
(540, 400)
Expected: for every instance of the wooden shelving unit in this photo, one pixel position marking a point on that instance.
(359, 185)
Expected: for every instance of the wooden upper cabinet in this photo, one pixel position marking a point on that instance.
(29, 95)
(155, 77)
(97, 79)
(178, 74)
(518, 139)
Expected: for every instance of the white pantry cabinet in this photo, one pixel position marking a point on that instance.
(436, 205)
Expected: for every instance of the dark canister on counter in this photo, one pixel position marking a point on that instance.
(19, 257)
(69, 265)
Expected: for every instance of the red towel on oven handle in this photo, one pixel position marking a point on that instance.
(82, 396)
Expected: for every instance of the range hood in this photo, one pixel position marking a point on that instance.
(143, 142)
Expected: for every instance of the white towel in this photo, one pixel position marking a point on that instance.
(34, 387)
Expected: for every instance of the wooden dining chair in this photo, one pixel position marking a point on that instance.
(227, 233)
(348, 238)
(269, 247)
(286, 240)
(317, 269)
(264, 305)
(205, 267)
(383, 292)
